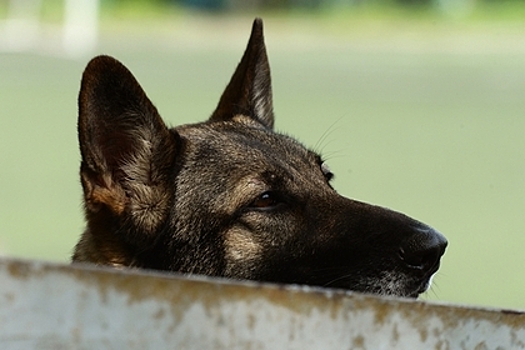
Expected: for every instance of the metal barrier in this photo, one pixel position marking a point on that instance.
(49, 306)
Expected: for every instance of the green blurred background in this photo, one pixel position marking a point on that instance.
(417, 105)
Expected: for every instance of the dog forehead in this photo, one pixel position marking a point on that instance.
(245, 143)
(229, 153)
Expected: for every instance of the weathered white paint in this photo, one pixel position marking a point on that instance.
(46, 306)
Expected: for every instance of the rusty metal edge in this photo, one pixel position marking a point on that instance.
(242, 314)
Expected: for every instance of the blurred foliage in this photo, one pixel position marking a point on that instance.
(53, 10)
(476, 9)
(287, 4)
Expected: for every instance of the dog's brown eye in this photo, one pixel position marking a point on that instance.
(267, 200)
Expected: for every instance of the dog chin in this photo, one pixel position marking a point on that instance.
(425, 286)
(393, 285)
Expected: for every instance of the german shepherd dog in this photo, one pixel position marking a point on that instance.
(230, 197)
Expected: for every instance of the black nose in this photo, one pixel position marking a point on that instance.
(423, 250)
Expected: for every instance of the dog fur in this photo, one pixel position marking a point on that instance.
(229, 196)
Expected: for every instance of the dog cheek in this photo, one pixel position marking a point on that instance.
(240, 248)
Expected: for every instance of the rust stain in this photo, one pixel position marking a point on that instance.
(159, 314)
(358, 342)
(442, 345)
(381, 313)
(481, 346)
(19, 270)
(395, 334)
(174, 295)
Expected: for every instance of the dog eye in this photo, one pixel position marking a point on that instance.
(326, 171)
(267, 200)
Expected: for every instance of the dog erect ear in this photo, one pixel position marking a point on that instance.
(249, 91)
(125, 146)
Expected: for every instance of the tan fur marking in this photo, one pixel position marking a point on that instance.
(111, 194)
(240, 246)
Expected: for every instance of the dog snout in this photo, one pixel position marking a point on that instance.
(422, 251)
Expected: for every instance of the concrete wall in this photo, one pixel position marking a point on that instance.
(46, 306)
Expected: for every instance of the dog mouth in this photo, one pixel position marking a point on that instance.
(425, 283)
(423, 289)
(392, 285)
(404, 292)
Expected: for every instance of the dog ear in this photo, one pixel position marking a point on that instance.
(126, 148)
(249, 91)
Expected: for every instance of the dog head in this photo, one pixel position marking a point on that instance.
(230, 197)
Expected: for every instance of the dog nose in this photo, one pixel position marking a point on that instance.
(423, 250)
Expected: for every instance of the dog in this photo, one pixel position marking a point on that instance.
(230, 197)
